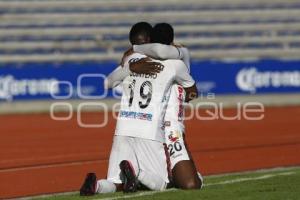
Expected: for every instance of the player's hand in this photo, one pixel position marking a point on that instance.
(126, 54)
(145, 66)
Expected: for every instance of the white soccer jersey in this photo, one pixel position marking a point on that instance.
(145, 98)
(175, 111)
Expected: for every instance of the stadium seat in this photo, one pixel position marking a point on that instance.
(97, 30)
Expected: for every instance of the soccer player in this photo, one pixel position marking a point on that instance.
(138, 152)
(183, 168)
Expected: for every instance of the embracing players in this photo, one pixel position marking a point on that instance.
(138, 152)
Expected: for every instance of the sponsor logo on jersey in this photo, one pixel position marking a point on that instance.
(180, 100)
(136, 115)
(174, 136)
(250, 79)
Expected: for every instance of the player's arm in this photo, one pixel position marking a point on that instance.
(184, 79)
(116, 77)
(121, 72)
(145, 66)
(141, 66)
(161, 51)
(186, 58)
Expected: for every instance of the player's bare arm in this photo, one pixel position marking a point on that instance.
(145, 66)
(127, 53)
(142, 66)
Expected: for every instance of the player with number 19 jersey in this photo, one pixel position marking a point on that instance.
(145, 98)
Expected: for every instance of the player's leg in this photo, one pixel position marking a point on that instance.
(152, 163)
(121, 150)
(118, 173)
(92, 186)
(184, 172)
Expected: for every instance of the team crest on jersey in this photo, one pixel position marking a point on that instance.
(174, 136)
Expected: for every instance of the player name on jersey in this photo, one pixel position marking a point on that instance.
(150, 76)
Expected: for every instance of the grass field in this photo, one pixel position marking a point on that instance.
(281, 184)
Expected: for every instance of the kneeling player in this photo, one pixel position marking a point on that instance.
(184, 171)
(137, 152)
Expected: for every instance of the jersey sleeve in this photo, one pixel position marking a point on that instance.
(161, 51)
(182, 76)
(185, 54)
(116, 77)
(158, 51)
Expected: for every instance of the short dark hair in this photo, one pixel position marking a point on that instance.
(140, 33)
(162, 33)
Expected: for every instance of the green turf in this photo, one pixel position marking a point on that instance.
(281, 184)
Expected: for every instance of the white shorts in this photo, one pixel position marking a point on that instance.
(176, 146)
(145, 155)
(174, 126)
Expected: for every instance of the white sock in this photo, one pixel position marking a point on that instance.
(201, 178)
(152, 181)
(105, 186)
